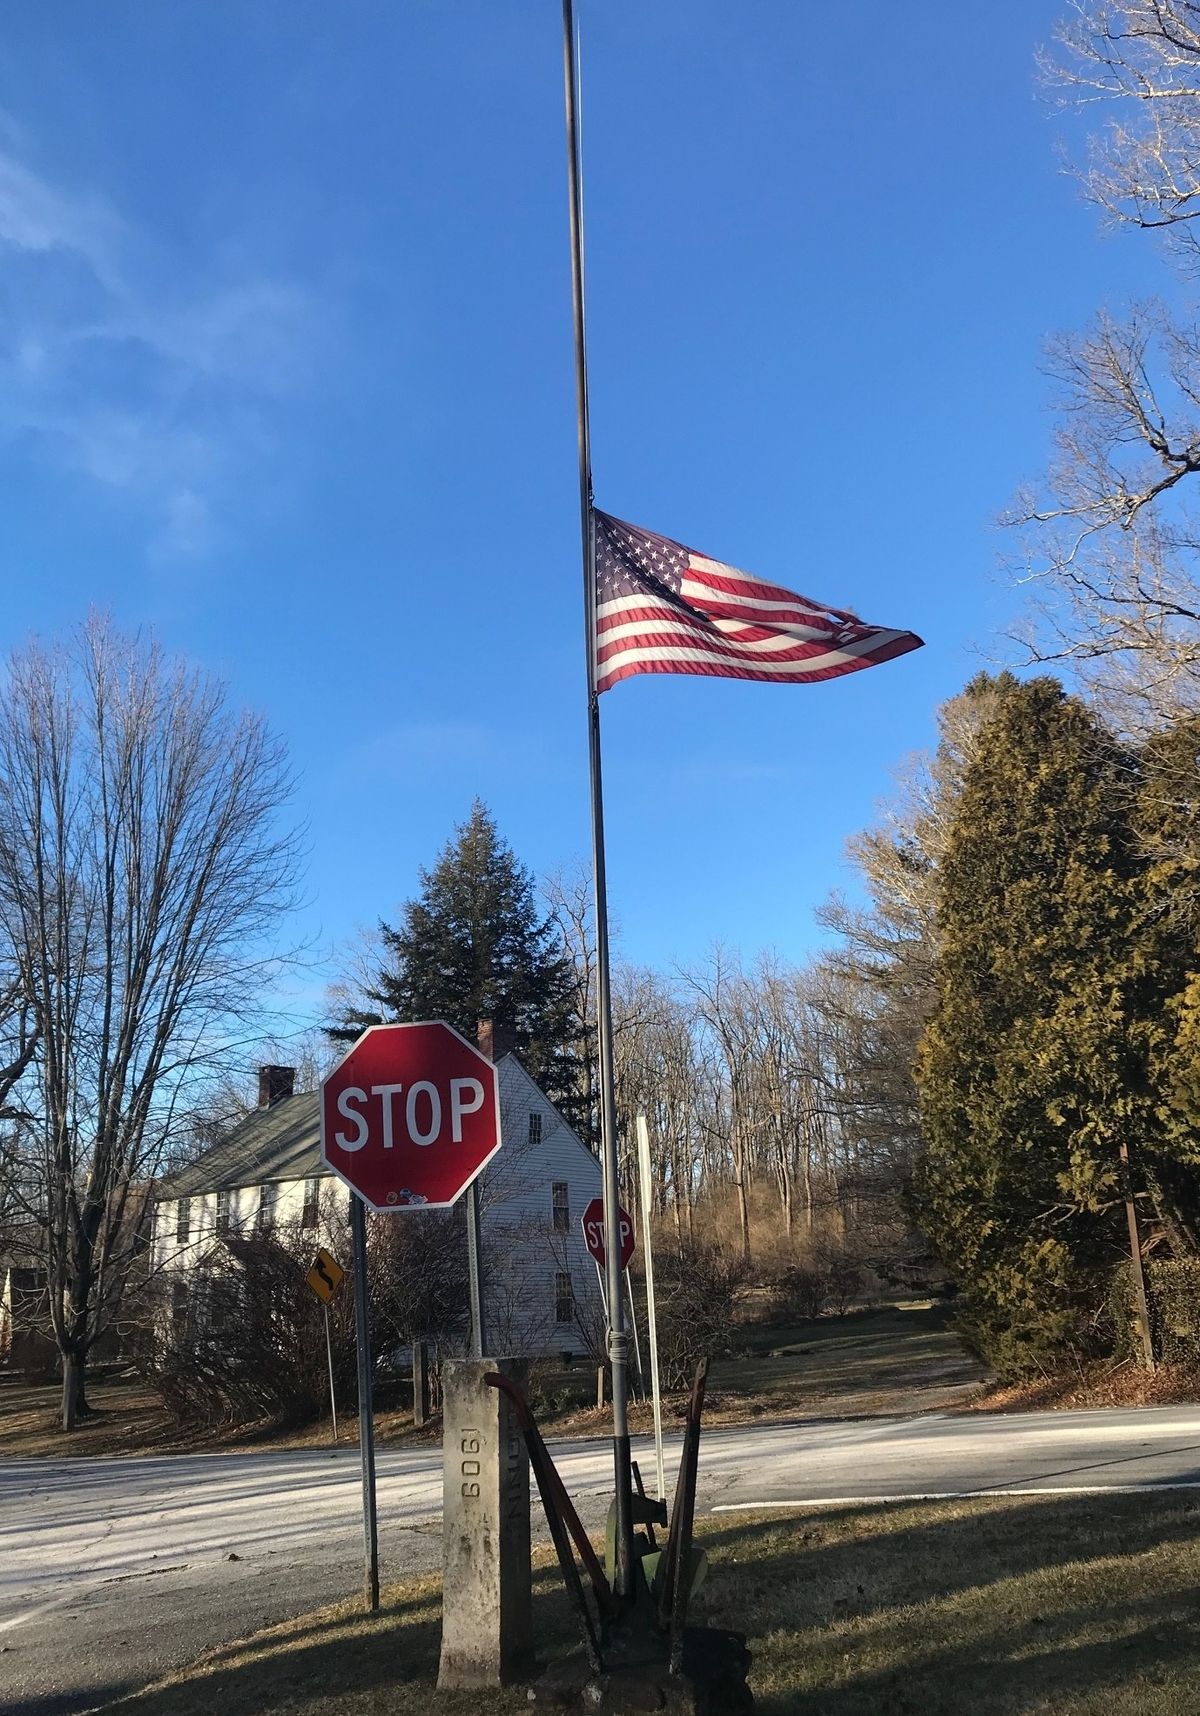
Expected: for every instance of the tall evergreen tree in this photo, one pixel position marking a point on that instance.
(1029, 1074)
(473, 946)
(1164, 961)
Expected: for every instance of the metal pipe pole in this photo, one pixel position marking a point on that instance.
(643, 1140)
(475, 1269)
(329, 1356)
(618, 1344)
(366, 1405)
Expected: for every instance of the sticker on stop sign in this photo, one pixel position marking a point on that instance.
(410, 1115)
(593, 1232)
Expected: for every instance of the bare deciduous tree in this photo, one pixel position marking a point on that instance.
(1110, 536)
(143, 868)
(1140, 59)
(568, 894)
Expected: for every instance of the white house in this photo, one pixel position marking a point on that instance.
(541, 1294)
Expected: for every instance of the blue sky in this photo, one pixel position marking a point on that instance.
(286, 373)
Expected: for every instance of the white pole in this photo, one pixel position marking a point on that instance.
(603, 1294)
(643, 1140)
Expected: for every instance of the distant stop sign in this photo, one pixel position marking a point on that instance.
(410, 1115)
(593, 1232)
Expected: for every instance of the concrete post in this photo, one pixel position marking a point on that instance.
(487, 1623)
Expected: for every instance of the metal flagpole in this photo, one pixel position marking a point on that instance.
(643, 1141)
(618, 1344)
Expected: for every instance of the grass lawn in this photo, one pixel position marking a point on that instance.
(1071, 1606)
(902, 1358)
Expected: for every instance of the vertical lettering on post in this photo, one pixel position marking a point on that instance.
(469, 1468)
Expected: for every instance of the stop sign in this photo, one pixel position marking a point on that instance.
(410, 1115)
(593, 1232)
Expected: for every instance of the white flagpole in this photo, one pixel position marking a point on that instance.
(618, 1341)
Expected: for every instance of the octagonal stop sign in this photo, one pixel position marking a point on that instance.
(593, 1232)
(410, 1115)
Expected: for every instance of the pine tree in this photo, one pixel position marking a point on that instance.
(1029, 1073)
(1165, 978)
(474, 946)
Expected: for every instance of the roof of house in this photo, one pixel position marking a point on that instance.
(282, 1142)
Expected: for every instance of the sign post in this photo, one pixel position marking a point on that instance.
(325, 1278)
(410, 1117)
(475, 1270)
(366, 1405)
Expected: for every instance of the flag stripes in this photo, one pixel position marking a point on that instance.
(661, 608)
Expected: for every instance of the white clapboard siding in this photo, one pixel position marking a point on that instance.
(525, 1251)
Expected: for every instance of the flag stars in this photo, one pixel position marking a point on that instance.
(729, 624)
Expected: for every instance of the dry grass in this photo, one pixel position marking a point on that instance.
(1000, 1607)
(1100, 1384)
(903, 1358)
(129, 1418)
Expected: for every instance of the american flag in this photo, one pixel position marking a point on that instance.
(663, 608)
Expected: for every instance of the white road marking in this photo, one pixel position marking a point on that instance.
(958, 1495)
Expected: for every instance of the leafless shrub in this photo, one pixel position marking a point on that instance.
(418, 1277)
(240, 1339)
(695, 1312)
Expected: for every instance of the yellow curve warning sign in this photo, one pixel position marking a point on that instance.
(326, 1275)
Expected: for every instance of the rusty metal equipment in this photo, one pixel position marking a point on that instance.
(664, 1601)
(565, 1525)
(675, 1570)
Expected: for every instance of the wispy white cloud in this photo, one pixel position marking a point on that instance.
(167, 392)
(37, 217)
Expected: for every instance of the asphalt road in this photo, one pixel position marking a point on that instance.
(113, 1571)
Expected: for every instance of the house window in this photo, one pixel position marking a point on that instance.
(224, 1210)
(312, 1194)
(535, 1128)
(561, 1196)
(179, 1311)
(268, 1196)
(222, 1306)
(183, 1221)
(564, 1300)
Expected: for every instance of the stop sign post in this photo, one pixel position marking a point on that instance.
(410, 1117)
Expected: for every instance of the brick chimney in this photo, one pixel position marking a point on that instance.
(495, 1041)
(274, 1084)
